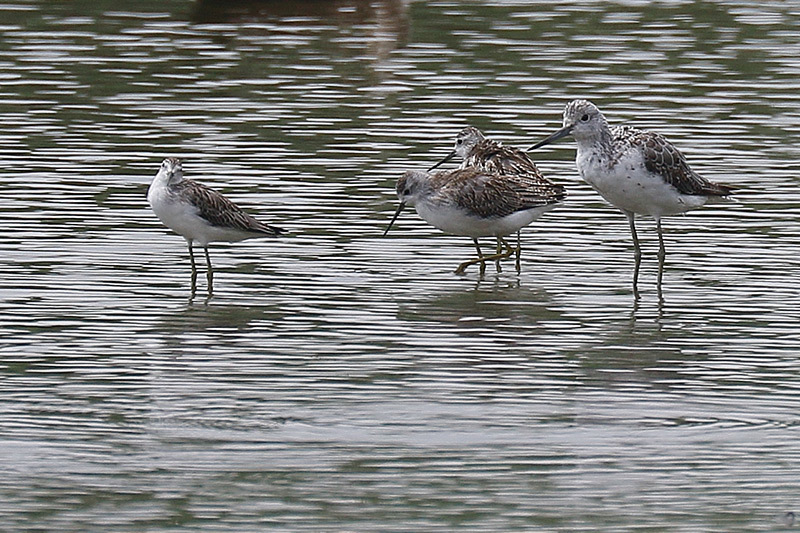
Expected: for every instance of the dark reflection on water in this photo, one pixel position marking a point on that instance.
(340, 380)
(340, 11)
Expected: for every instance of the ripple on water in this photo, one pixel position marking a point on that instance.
(338, 379)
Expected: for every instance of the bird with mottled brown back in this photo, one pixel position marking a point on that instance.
(476, 151)
(637, 171)
(475, 203)
(200, 214)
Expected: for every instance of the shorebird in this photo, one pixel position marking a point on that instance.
(476, 203)
(200, 214)
(477, 151)
(639, 172)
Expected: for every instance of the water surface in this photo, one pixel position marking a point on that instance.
(338, 380)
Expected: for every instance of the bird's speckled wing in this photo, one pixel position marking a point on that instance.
(218, 210)
(489, 194)
(494, 157)
(662, 158)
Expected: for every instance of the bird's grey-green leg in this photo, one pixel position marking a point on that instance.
(637, 251)
(483, 259)
(194, 269)
(209, 272)
(191, 257)
(662, 252)
(480, 259)
(637, 262)
(660, 278)
(519, 251)
(509, 249)
(480, 256)
(498, 254)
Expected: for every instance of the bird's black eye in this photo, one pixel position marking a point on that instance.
(584, 118)
(406, 191)
(460, 141)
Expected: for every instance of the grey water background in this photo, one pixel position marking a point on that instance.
(340, 381)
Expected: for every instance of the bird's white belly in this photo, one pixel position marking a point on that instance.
(460, 222)
(183, 219)
(630, 186)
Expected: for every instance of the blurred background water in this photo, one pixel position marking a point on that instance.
(340, 381)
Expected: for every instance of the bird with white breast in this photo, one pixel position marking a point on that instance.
(476, 151)
(200, 214)
(640, 172)
(476, 203)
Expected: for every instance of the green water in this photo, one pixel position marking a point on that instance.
(341, 381)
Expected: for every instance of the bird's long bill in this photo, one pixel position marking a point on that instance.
(396, 214)
(447, 158)
(563, 132)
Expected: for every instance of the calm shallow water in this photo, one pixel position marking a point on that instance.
(337, 380)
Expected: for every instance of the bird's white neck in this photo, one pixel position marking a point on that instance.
(165, 179)
(599, 142)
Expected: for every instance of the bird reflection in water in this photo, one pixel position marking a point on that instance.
(385, 22)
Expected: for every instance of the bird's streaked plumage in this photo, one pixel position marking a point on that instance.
(638, 171)
(475, 203)
(476, 151)
(200, 214)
